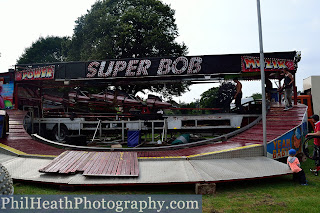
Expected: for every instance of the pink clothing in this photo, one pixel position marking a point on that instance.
(316, 141)
(294, 164)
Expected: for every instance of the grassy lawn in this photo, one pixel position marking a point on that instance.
(278, 194)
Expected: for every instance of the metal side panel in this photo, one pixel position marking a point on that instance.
(251, 150)
(27, 169)
(213, 170)
(151, 172)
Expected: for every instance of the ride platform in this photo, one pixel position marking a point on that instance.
(237, 158)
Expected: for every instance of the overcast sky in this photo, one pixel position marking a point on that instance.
(207, 27)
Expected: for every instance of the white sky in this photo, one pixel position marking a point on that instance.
(207, 27)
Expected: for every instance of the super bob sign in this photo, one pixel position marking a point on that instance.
(252, 64)
(40, 73)
(144, 67)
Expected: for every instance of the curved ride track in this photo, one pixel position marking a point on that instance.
(18, 141)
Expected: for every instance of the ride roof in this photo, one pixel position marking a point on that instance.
(158, 69)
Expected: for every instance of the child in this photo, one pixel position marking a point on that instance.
(294, 164)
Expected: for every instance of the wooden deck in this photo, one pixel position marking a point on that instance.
(95, 163)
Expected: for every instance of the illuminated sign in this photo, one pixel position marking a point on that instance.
(176, 67)
(145, 67)
(252, 64)
(40, 73)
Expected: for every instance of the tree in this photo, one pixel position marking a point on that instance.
(209, 98)
(256, 96)
(218, 97)
(115, 29)
(45, 50)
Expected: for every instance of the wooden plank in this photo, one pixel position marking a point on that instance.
(44, 169)
(73, 160)
(101, 163)
(108, 165)
(16, 130)
(93, 164)
(104, 163)
(72, 168)
(128, 163)
(55, 167)
(19, 138)
(80, 166)
(16, 126)
(93, 157)
(136, 165)
(64, 162)
(15, 122)
(132, 162)
(125, 164)
(113, 165)
(120, 162)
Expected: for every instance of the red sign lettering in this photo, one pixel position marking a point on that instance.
(252, 64)
(40, 73)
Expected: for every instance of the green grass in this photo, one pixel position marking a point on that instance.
(23, 188)
(277, 194)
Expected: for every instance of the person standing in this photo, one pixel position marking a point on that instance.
(238, 94)
(315, 120)
(287, 86)
(268, 88)
(316, 141)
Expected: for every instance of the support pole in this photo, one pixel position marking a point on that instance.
(295, 92)
(264, 114)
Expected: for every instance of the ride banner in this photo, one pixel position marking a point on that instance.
(293, 139)
(201, 66)
(39, 73)
(162, 67)
(252, 64)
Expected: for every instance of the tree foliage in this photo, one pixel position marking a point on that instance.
(209, 98)
(115, 29)
(218, 97)
(256, 96)
(45, 50)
